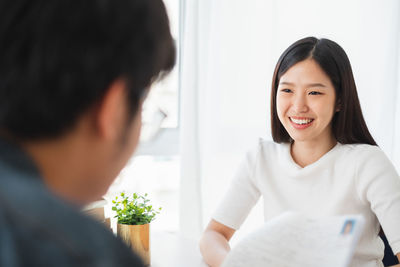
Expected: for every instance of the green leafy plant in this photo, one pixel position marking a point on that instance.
(134, 210)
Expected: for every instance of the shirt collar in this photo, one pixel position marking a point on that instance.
(14, 157)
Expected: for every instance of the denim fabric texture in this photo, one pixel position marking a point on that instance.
(39, 229)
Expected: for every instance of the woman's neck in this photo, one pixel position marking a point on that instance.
(306, 153)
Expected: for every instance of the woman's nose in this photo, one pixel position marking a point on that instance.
(300, 104)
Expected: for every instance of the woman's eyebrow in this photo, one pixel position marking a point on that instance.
(307, 85)
(315, 85)
(286, 83)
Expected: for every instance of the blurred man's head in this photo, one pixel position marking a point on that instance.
(73, 75)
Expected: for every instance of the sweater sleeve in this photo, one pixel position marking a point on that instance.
(241, 196)
(379, 186)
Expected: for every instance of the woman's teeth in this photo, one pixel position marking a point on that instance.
(301, 121)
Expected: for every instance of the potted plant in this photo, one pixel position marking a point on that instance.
(134, 214)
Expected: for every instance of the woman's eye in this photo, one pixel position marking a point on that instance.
(314, 93)
(286, 90)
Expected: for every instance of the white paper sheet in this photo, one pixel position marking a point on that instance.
(296, 240)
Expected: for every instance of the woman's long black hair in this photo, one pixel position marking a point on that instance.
(348, 124)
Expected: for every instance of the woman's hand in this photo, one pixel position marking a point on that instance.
(214, 244)
(397, 265)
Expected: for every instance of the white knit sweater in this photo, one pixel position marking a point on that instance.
(349, 179)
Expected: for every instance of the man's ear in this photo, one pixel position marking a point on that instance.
(111, 113)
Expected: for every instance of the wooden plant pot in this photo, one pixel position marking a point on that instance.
(136, 237)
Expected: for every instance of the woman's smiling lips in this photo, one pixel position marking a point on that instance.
(301, 122)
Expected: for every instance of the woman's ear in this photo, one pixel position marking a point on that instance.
(338, 105)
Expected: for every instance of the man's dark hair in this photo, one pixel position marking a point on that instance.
(58, 58)
(348, 124)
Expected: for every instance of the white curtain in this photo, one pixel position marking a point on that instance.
(396, 98)
(229, 50)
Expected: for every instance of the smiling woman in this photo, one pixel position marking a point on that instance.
(323, 152)
(306, 103)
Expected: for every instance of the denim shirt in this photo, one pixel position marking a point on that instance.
(39, 229)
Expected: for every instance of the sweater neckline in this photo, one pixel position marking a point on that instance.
(316, 164)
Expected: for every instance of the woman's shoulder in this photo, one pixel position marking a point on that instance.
(360, 148)
(267, 149)
(264, 145)
(363, 152)
(267, 145)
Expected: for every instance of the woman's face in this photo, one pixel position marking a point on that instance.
(306, 102)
